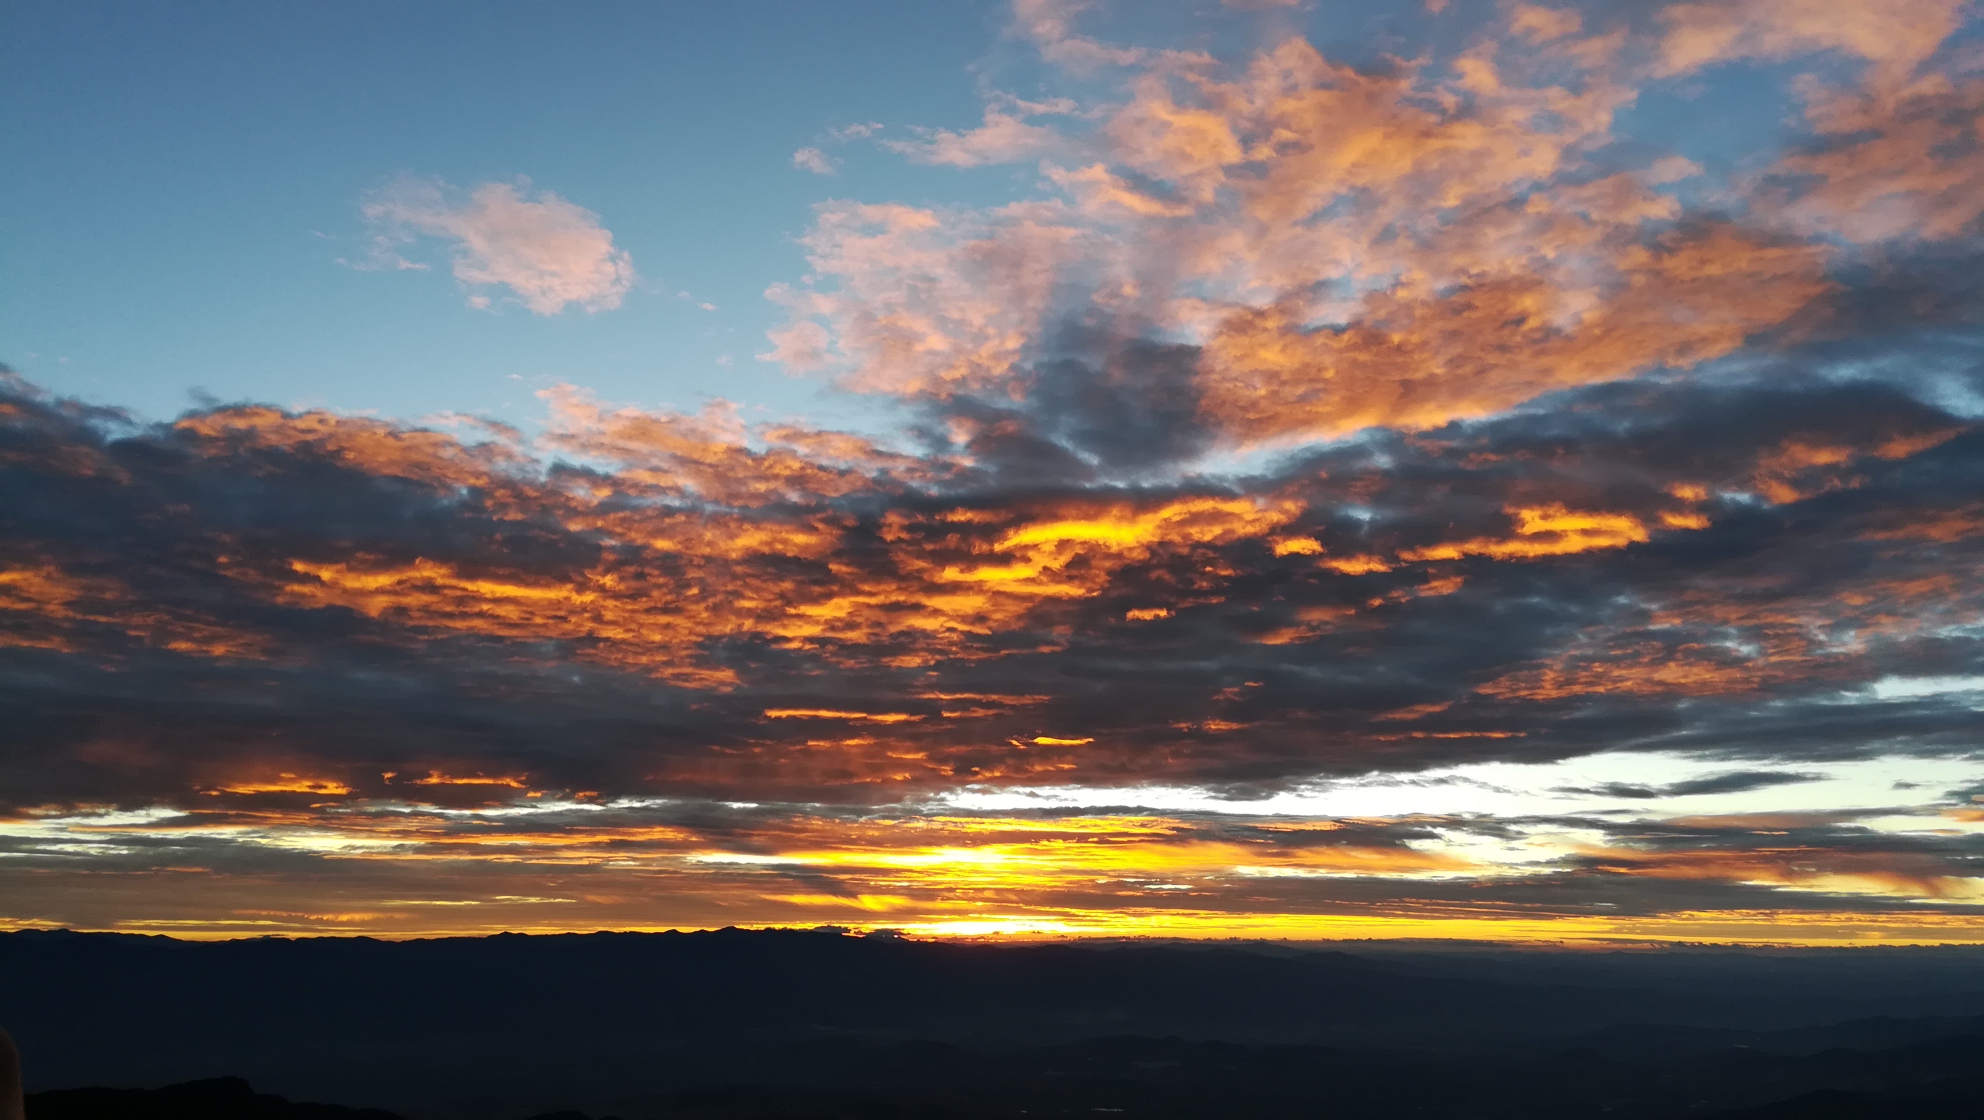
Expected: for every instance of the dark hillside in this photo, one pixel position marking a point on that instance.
(734, 1024)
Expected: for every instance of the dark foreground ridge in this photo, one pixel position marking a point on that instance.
(730, 1025)
(216, 1098)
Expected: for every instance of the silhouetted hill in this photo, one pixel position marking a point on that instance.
(731, 1025)
(1173, 1079)
(779, 981)
(373, 1021)
(218, 1098)
(1834, 1104)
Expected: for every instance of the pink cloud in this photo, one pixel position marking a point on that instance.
(549, 252)
(1904, 165)
(814, 160)
(1403, 245)
(1050, 26)
(1896, 36)
(1541, 24)
(914, 301)
(1004, 137)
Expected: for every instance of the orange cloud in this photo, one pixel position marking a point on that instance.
(989, 697)
(1417, 711)
(436, 778)
(941, 579)
(1311, 622)
(1799, 468)
(1736, 638)
(1898, 164)
(46, 608)
(709, 456)
(1204, 216)
(373, 446)
(1826, 871)
(836, 713)
(1551, 530)
(1401, 247)
(1645, 668)
(1896, 36)
(611, 614)
(1419, 361)
(1938, 526)
(287, 783)
(1362, 565)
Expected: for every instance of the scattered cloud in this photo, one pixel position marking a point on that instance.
(815, 160)
(550, 253)
(1005, 136)
(1049, 25)
(1895, 37)
(1338, 242)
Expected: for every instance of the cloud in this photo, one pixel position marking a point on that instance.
(1885, 166)
(923, 302)
(1740, 781)
(731, 562)
(1340, 241)
(1004, 137)
(1049, 24)
(382, 254)
(1895, 37)
(814, 160)
(550, 253)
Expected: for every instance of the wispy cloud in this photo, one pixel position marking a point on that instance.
(550, 253)
(815, 157)
(1005, 136)
(814, 160)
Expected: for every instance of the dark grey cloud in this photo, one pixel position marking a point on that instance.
(1268, 669)
(1735, 781)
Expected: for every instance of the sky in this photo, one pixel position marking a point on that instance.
(1436, 469)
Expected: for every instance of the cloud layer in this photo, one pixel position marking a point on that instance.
(1353, 496)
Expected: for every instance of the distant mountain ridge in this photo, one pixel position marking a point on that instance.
(219, 1098)
(732, 1024)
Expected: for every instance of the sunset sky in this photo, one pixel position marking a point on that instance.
(1439, 469)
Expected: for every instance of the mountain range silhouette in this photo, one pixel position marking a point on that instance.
(811, 1025)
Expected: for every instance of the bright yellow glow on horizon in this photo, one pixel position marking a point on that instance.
(954, 875)
(1796, 928)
